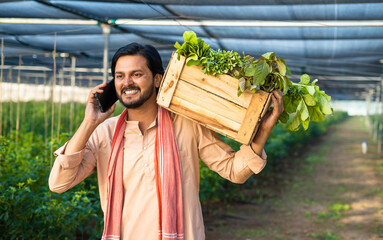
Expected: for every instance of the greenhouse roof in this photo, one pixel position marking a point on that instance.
(340, 42)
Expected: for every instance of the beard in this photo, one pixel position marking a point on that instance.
(144, 96)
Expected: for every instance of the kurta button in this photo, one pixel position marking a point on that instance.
(146, 164)
(140, 134)
(144, 148)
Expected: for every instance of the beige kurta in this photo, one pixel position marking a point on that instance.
(140, 210)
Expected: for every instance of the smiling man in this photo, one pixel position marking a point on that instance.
(147, 159)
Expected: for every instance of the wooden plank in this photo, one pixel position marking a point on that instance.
(198, 114)
(224, 86)
(260, 103)
(170, 79)
(212, 103)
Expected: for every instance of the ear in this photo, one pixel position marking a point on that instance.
(157, 80)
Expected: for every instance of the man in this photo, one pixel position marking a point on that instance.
(147, 160)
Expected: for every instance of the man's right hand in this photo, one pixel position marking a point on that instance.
(93, 115)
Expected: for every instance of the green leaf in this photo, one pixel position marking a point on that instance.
(242, 84)
(305, 123)
(325, 106)
(294, 125)
(239, 92)
(311, 90)
(261, 71)
(190, 36)
(316, 114)
(192, 60)
(288, 72)
(309, 100)
(290, 104)
(286, 100)
(269, 55)
(281, 67)
(305, 79)
(303, 111)
(284, 117)
(177, 45)
(286, 83)
(250, 71)
(326, 96)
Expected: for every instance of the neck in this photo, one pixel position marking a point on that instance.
(145, 114)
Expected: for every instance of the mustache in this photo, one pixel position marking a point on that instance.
(130, 88)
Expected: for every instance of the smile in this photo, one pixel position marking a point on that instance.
(130, 92)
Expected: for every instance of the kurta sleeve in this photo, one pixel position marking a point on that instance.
(237, 166)
(70, 169)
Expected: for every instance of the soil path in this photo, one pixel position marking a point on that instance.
(335, 192)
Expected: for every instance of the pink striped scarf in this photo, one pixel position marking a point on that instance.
(168, 181)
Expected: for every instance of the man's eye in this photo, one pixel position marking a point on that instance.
(118, 76)
(137, 74)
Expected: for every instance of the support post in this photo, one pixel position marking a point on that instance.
(1, 83)
(367, 119)
(376, 127)
(379, 127)
(380, 105)
(106, 32)
(72, 85)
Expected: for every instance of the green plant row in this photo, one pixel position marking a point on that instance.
(28, 209)
(36, 117)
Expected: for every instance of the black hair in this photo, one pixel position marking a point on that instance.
(153, 58)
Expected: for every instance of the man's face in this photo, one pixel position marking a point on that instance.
(134, 81)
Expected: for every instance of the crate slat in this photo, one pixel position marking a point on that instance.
(255, 112)
(199, 114)
(217, 105)
(170, 80)
(223, 85)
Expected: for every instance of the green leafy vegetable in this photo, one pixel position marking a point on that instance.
(194, 49)
(303, 102)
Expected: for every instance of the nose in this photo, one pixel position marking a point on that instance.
(127, 81)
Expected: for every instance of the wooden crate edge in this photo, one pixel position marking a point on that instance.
(266, 105)
(170, 79)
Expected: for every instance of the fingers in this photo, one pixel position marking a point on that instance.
(277, 99)
(97, 89)
(103, 84)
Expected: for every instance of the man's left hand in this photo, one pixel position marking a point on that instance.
(268, 122)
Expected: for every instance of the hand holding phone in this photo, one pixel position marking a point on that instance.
(107, 98)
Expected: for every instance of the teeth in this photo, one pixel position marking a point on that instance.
(130, 91)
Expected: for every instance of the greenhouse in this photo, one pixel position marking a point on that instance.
(323, 178)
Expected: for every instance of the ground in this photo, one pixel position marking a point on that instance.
(330, 190)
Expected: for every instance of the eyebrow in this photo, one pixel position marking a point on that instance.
(134, 71)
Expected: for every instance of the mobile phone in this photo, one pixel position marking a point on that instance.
(107, 98)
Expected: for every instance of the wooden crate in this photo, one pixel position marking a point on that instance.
(212, 101)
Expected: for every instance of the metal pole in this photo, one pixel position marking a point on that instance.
(18, 104)
(1, 83)
(367, 119)
(73, 85)
(52, 98)
(380, 118)
(106, 32)
(376, 130)
(372, 120)
(380, 112)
